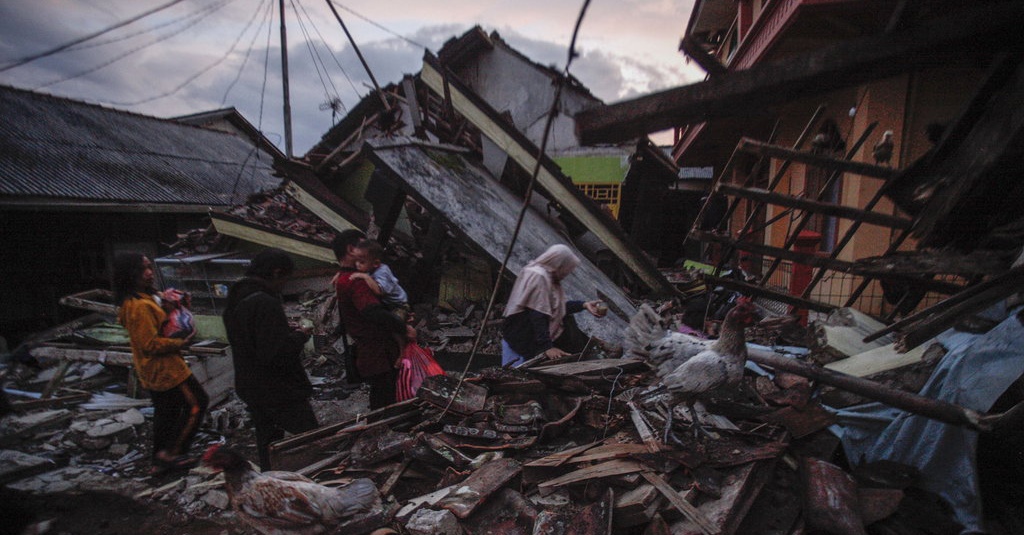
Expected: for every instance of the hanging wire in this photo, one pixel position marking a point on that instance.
(198, 17)
(367, 19)
(312, 22)
(314, 54)
(553, 112)
(65, 46)
(355, 47)
(150, 29)
(192, 78)
(267, 12)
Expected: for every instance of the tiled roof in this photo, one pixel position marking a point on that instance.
(65, 150)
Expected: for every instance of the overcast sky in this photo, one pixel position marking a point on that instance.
(200, 55)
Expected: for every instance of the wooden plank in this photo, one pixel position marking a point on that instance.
(239, 228)
(96, 300)
(878, 360)
(607, 469)
(611, 451)
(849, 63)
(696, 52)
(691, 513)
(651, 442)
(776, 252)
(476, 488)
(981, 150)
(589, 366)
(103, 356)
(549, 177)
(752, 146)
(561, 457)
(739, 490)
(442, 180)
(824, 208)
(759, 291)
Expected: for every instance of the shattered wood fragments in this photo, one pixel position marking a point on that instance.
(546, 459)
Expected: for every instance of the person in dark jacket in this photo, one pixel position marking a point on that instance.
(267, 352)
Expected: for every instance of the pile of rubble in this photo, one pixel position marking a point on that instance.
(589, 444)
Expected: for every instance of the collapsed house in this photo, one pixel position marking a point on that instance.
(588, 446)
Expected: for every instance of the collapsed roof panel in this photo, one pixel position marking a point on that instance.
(441, 179)
(55, 151)
(550, 177)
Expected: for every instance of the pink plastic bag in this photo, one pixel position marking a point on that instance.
(417, 363)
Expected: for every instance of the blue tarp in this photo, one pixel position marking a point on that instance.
(974, 373)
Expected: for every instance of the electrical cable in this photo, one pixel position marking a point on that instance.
(526, 203)
(267, 12)
(199, 16)
(151, 29)
(329, 51)
(378, 25)
(344, 72)
(314, 54)
(65, 46)
(192, 78)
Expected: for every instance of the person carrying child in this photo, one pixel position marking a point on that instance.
(379, 277)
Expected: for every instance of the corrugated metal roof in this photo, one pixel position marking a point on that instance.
(69, 150)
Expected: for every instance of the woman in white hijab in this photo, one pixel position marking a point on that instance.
(537, 307)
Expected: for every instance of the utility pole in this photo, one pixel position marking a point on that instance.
(284, 83)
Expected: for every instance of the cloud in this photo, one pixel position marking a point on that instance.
(158, 66)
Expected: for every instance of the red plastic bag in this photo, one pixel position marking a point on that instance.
(417, 363)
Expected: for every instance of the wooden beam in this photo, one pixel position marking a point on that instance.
(87, 300)
(114, 358)
(760, 291)
(824, 208)
(694, 51)
(307, 189)
(752, 146)
(776, 252)
(939, 42)
(935, 409)
(550, 177)
(242, 229)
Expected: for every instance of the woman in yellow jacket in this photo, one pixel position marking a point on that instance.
(179, 401)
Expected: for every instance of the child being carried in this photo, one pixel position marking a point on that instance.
(379, 278)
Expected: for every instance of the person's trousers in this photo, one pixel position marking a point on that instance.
(382, 389)
(272, 421)
(177, 415)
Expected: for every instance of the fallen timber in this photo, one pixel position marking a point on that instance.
(930, 408)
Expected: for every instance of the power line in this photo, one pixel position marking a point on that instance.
(268, 11)
(198, 16)
(151, 29)
(192, 78)
(70, 44)
(367, 19)
(312, 23)
(314, 54)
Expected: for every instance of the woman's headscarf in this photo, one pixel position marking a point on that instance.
(539, 287)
